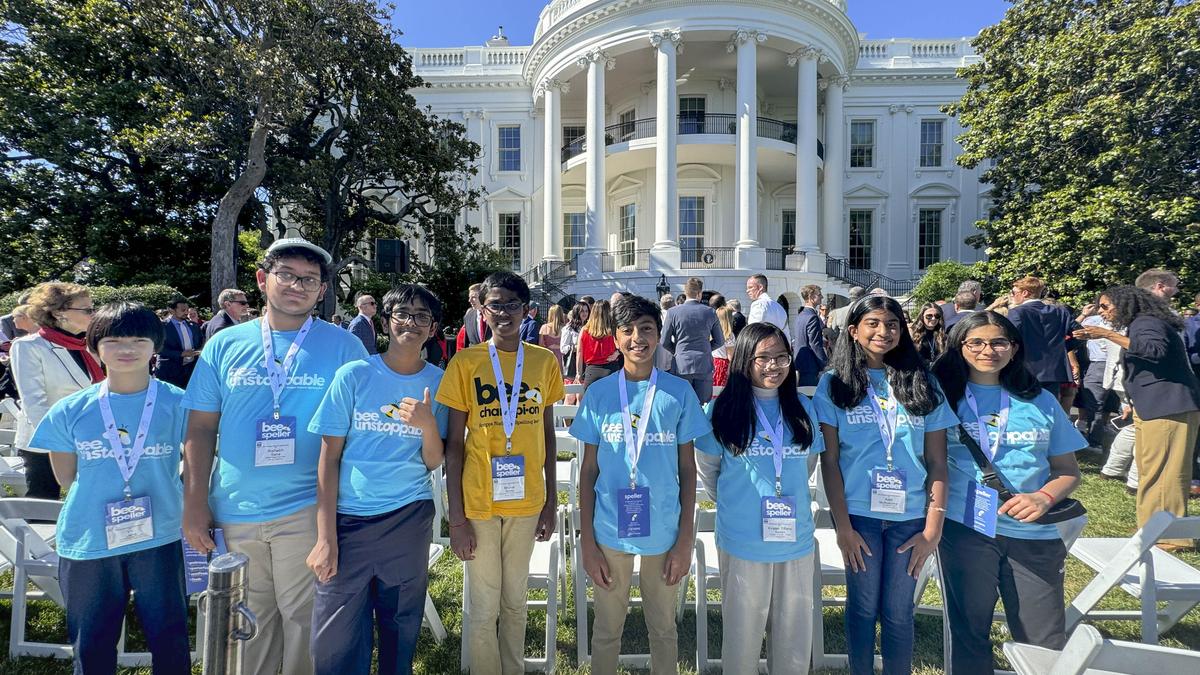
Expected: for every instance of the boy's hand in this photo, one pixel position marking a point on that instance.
(418, 413)
(678, 562)
(196, 522)
(462, 541)
(596, 566)
(546, 522)
(923, 544)
(323, 559)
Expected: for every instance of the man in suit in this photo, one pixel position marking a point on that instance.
(691, 332)
(474, 329)
(182, 340)
(949, 309)
(530, 326)
(840, 316)
(810, 356)
(363, 325)
(1044, 331)
(965, 303)
(737, 319)
(234, 309)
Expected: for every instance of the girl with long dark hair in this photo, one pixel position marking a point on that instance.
(884, 421)
(568, 343)
(988, 549)
(928, 330)
(754, 464)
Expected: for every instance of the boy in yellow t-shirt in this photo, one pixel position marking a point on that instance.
(500, 479)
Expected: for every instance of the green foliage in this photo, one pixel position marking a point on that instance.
(1089, 111)
(458, 260)
(154, 296)
(942, 279)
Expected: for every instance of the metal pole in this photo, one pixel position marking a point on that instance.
(230, 621)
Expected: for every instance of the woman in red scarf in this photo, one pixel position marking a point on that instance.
(50, 365)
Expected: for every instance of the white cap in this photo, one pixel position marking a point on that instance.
(299, 242)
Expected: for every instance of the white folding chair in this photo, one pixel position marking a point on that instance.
(707, 568)
(583, 601)
(1142, 570)
(440, 507)
(431, 618)
(12, 471)
(564, 414)
(566, 444)
(576, 389)
(1087, 653)
(544, 570)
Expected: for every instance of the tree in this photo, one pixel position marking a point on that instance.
(942, 279)
(458, 260)
(1089, 110)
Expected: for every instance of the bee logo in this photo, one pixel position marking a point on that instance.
(391, 411)
(993, 420)
(634, 420)
(534, 395)
(124, 435)
(883, 403)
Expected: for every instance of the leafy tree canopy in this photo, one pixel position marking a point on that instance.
(1089, 109)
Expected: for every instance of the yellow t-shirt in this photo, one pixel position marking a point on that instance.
(470, 385)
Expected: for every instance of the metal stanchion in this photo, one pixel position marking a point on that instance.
(230, 621)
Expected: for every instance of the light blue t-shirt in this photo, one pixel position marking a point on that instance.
(675, 418)
(861, 448)
(230, 378)
(74, 425)
(1036, 431)
(381, 468)
(744, 480)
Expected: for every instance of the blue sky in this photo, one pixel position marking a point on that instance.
(456, 23)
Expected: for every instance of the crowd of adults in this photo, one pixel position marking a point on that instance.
(327, 444)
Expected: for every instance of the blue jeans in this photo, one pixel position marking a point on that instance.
(97, 592)
(883, 593)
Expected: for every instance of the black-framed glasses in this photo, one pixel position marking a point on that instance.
(999, 345)
(239, 302)
(505, 307)
(86, 310)
(780, 361)
(309, 284)
(420, 320)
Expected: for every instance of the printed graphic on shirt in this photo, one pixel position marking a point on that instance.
(386, 421)
(614, 432)
(241, 376)
(1039, 437)
(99, 448)
(864, 413)
(488, 399)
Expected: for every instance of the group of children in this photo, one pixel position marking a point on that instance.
(900, 484)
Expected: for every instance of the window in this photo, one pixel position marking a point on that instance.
(510, 238)
(628, 235)
(574, 225)
(627, 126)
(789, 231)
(862, 144)
(691, 115)
(443, 229)
(929, 237)
(691, 228)
(931, 142)
(572, 133)
(860, 238)
(510, 148)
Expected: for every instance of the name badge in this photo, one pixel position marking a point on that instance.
(888, 491)
(982, 508)
(779, 519)
(275, 442)
(128, 521)
(508, 478)
(633, 513)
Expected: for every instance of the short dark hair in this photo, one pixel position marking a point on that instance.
(760, 279)
(177, 301)
(124, 319)
(272, 258)
(965, 300)
(588, 300)
(630, 308)
(407, 293)
(507, 281)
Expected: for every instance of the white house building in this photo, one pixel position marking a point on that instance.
(642, 139)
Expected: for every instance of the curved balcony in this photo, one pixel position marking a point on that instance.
(689, 124)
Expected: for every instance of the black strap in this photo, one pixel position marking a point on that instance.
(990, 477)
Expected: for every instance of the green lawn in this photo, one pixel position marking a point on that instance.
(1110, 510)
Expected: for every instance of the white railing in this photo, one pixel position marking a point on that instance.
(896, 52)
(560, 8)
(495, 58)
(937, 50)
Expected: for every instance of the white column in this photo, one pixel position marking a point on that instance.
(808, 221)
(596, 63)
(749, 253)
(665, 253)
(552, 238)
(835, 235)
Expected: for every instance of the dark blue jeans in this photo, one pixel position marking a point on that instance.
(883, 593)
(381, 579)
(97, 592)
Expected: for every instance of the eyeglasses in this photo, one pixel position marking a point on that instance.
(421, 320)
(85, 310)
(999, 345)
(765, 362)
(1104, 305)
(307, 283)
(240, 302)
(371, 303)
(505, 307)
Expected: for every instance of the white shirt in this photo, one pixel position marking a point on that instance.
(1097, 349)
(766, 310)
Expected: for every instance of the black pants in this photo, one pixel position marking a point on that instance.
(1026, 573)
(39, 477)
(599, 371)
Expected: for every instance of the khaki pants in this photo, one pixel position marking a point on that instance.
(1163, 453)
(755, 593)
(281, 590)
(658, 607)
(498, 590)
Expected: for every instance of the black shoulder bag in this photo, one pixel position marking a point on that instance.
(1064, 509)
